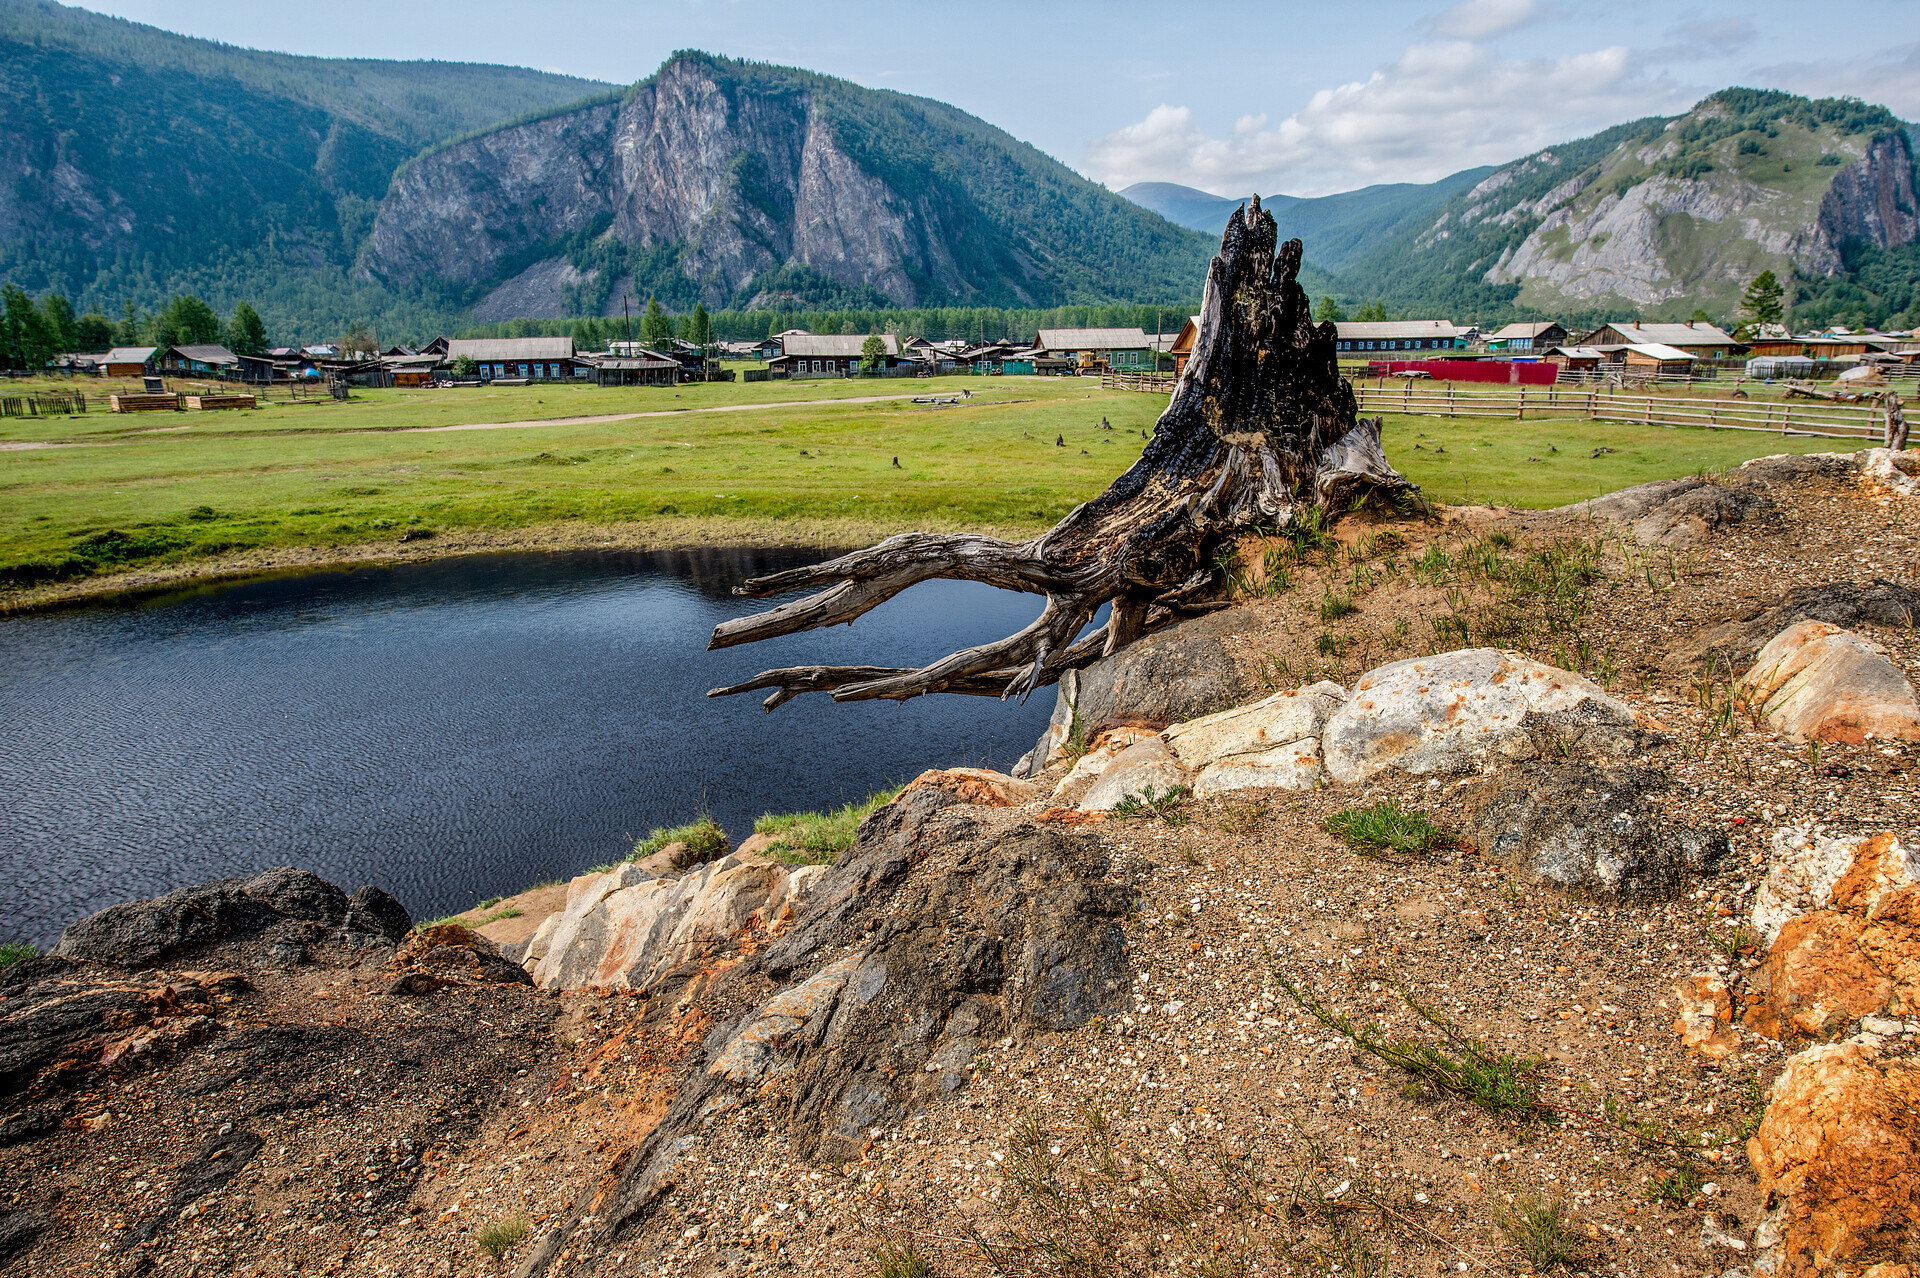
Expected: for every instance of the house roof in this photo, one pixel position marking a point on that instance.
(623, 363)
(506, 348)
(1093, 339)
(1376, 330)
(212, 354)
(129, 355)
(1672, 334)
(838, 346)
(1655, 350)
(1579, 352)
(1529, 329)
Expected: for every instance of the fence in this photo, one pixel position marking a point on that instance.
(1783, 417)
(44, 404)
(1161, 382)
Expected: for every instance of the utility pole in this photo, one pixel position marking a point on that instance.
(626, 312)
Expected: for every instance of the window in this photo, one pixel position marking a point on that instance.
(523, 370)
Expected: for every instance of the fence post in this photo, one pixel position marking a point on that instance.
(1520, 413)
(1786, 418)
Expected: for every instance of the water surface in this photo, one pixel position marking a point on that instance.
(448, 731)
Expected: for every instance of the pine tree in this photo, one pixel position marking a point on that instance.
(25, 341)
(57, 311)
(656, 327)
(700, 326)
(1328, 311)
(1762, 300)
(129, 330)
(246, 334)
(93, 332)
(192, 322)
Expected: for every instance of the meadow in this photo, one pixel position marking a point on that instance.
(87, 497)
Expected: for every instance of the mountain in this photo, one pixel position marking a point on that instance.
(139, 162)
(739, 184)
(1663, 215)
(1336, 229)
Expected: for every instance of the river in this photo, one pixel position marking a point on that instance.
(449, 731)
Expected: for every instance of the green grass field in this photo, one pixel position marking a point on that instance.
(91, 495)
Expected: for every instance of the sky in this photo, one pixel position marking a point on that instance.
(1230, 97)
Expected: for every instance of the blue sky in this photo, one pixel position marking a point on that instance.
(1230, 97)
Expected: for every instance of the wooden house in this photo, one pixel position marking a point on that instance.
(1530, 338)
(1652, 359)
(199, 361)
(822, 355)
(1703, 341)
(641, 368)
(1576, 358)
(1097, 348)
(1371, 337)
(131, 361)
(1182, 347)
(521, 359)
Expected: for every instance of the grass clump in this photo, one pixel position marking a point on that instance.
(1334, 606)
(1497, 1082)
(1540, 1231)
(1169, 805)
(1385, 827)
(1676, 1187)
(704, 838)
(898, 1258)
(16, 952)
(818, 838)
(497, 1237)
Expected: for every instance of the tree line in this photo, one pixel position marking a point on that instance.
(34, 335)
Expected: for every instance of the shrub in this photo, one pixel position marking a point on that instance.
(1540, 1231)
(16, 952)
(1333, 607)
(704, 838)
(818, 838)
(1385, 827)
(497, 1237)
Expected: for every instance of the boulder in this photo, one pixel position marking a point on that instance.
(1838, 1157)
(1273, 743)
(449, 954)
(1146, 763)
(1817, 682)
(945, 933)
(1704, 1022)
(292, 907)
(1857, 954)
(627, 928)
(1590, 831)
(1732, 645)
(1106, 745)
(1674, 512)
(1897, 470)
(1178, 673)
(1459, 711)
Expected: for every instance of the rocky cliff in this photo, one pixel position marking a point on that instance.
(718, 180)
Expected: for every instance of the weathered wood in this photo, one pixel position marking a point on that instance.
(1261, 427)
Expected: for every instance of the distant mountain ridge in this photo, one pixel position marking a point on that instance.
(736, 184)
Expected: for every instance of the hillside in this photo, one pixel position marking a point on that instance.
(1663, 215)
(143, 162)
(737, 183)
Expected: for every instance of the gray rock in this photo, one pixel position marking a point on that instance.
(1730, 646)
(1818, 682)
(1588, 831)
(18, 1232)
(1675, 512)
(145, 932)
(1460, 711)
(1182, 672)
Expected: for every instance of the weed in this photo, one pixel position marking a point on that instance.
(1813, 757)
(704, 839)
(898, 1258)
(1754, 1100)
(1331, 645)
(1386, 541)
(497, 1237)
(1500, 540)
(1433, 568)
(1677, 1187)
(818, 838)
(1333, 607)
(1452, 629)
(1400, 628)
(1735, 943)
(16, 952)
(1540, 1231)
(1497, 1082)
(1307, 530)
(1076, 747)
(1279, 577)
(1385, 827)
(1168, 805)
(1243, 818)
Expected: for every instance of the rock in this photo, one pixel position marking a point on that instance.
(29, 1124)
(1705, 1019)
(448, 952)
(1732, 645)
(1895, 470)
(1459, 711)
(1854, 953)
(1179, 673)
(755, 846)
(945, 931)
(1106, 746)
(1805, 868)
(1273, 743)
(1817, 682)
(977, 785)
(18, 1231)
(1838, 1157)
(1674, 512)
(1143, 764)
(283, 904)
(627, 928)
(1590, 831)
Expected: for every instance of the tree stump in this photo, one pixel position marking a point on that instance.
(1261, 428)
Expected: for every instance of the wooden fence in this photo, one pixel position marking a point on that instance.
(1782, 417)
(1159, 382)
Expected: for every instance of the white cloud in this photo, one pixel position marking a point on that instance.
(1440, 108)
(1890, 79)
(1478, 19)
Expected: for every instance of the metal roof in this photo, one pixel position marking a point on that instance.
(129, 355)
(1530, 329)
(635, 364)
(1093, 339)
(1387, 330)
(214, 354)
(1672, 334)
(843, 346)
(1654, 350)
(510, 348)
